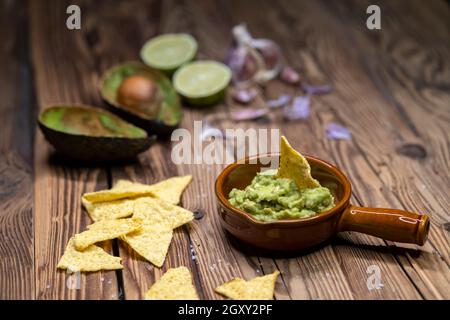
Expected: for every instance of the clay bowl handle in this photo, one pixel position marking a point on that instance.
(389, 224)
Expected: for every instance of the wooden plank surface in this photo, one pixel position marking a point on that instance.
(391, 88)
(17, 278)
(63, 74)
(349, 275)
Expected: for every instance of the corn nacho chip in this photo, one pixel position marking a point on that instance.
(169, 190)
(158, 218)
(88, 205)
(152, 241)
(109, 210)
(93, 258)
(124, 184)
(294, 166)
(108, 195)
(259, 288)
(157, 210)
(105, 230)
(175, 284)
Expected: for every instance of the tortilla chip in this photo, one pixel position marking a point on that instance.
(93, 258)
(175, 284)
(115, 194)
(152, 241)
(157, 210)
(259, 288)
(105, 230)
(158, 219)
(294, 166)
(109, 210)
(169, 190)
(88, 205)
(125, 184)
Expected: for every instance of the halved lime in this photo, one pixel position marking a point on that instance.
(169, 51)
(202, 82)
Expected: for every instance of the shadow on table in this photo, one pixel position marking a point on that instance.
(59, 160)
(251, 250)
(399, 249)
(335, 242)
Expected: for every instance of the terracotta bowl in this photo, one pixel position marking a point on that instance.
(286, 235)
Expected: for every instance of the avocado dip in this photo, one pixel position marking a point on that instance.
(269, 198)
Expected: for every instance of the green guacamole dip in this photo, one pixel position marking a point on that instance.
(269, 198)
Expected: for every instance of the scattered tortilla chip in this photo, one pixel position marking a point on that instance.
(157, 210)
(152, 242)
(88, 205)
(169, 190)
(105, 230)
(154, 206)
(116, 209)
(115, 194)
(93, 258)
(294, 166)
(124, 184)
(259, 288)
(158, 218)
(175, 284)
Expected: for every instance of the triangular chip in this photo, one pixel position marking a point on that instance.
(125, 184)
(175, 284)
(105, 230)
(169, 190)
(294, 166)
(116, 194)
(158, 219)
(152, 241)
(157, 210)
(259, 288)
(93, 258)
(88, 205)
(109, 210)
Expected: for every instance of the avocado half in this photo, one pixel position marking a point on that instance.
(91, 134)
(170, 112)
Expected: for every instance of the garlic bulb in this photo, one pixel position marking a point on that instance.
(253, 60)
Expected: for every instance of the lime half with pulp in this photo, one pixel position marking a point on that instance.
(202, 82)
(168, 52)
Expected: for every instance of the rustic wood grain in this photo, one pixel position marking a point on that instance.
(220, 257)
(391, 88)
(211, 267)
(318, 280)
(413, 180)
(17, 279)
(140, 19)
(377, 145)
(63, 74)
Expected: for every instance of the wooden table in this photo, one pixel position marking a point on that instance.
(391, 89)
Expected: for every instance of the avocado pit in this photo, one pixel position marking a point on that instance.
(140, 94)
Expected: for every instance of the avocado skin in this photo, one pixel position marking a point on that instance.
(95, 149)
(152, 126)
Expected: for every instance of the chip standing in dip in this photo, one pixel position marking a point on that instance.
(287, 193)
(269, 198)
